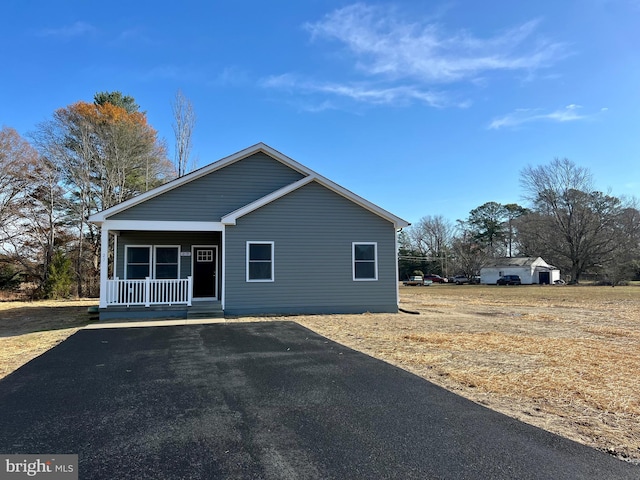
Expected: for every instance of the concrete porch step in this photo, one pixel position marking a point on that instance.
(199, 310)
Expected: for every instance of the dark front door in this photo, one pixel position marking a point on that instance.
(205, 267)
(543, 278)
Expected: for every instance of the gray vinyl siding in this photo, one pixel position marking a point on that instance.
(313, 229)
(184, 239)
(212, 196)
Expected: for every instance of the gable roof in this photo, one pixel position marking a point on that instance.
(231, 218)
(516, 262)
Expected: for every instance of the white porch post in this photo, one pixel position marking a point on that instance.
(115, 254)
(104, 264)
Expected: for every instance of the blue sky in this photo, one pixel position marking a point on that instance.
(423, 107)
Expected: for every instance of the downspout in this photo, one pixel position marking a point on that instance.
(223, 289)
(397, 269)
(114, 273)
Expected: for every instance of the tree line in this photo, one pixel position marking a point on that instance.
(90, 156)
(565, 220)
(86, 158)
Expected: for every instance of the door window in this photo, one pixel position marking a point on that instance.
(204, 256)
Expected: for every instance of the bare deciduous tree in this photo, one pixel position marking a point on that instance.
(33, 208)
(469, 255)
(430, 238)
(624, 263)
(431, 235)
(17, 158)
(43, 226)
(184, 118)
(575, 223)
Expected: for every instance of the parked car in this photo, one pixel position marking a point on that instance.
(417, 281)
(460, 279)
(509, 280)
(435, 278)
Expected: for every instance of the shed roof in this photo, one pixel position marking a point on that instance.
(514, 262)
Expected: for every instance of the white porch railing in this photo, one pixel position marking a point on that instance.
(149, 292)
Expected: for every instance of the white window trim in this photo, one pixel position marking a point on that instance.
(126, 258)
(375, 261)
(273, 262)
(155, 258)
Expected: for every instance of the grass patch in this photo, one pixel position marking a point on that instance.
(566, 359)
(28, 329)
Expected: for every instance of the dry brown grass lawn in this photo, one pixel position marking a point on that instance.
(28, 329)
(566, 359)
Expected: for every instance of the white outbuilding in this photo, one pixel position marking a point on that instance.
(531, 270)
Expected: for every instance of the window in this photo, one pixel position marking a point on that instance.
(365, 261)
(259, 261)
(204, 256)
(166, 262)
(138, 262)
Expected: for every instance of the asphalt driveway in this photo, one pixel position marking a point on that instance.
(264, 400)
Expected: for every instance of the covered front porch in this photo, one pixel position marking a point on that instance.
(161, 270)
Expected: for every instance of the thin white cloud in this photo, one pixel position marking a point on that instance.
(231, 76)
(320, 107)
(400, 61)
(134, 36)
(361, 92)
(384, 43)
(188, 73)
(77, 29)
(570, 113)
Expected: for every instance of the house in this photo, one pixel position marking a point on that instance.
(253, 233)
(530, 269)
